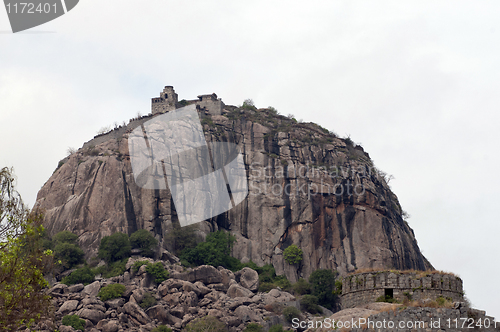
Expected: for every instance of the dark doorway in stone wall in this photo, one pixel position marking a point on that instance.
(389, 293)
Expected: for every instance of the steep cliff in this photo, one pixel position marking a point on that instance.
(306, 187)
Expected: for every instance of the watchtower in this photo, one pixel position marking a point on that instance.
(168, 101)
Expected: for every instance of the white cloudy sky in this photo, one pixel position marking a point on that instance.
(415, 82)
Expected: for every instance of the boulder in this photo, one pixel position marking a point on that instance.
(92, 289)
(111, 326)
(75, 288)
(59, 289)
(158, 312)
(115, 303)
(64, 328)
(248, 278)
(167, 256)
(136, 312)
(275, 295)
(203, 289)
(190, 287)
(92, 315)
(246, 314)
(68, 307)
(204, 273)
(231, 320)
(139, 294)
(227, 276)
(238, 291)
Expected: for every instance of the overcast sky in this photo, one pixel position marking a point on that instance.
(416, 83)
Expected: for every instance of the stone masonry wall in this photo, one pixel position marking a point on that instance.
(367, 287)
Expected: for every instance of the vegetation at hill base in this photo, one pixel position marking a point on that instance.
(23, 260)
(215, 251)
(143, 239)
(206, 324)
(83, 275)
(112, 291)
(74, 321)
(115, 247)
(323, 287)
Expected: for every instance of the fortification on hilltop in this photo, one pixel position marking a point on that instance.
(364, 288)
(168, 101)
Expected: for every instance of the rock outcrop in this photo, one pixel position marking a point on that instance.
(184, 297)
(306, 187)
(388, 317)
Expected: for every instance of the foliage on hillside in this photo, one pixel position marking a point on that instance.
(22, 259)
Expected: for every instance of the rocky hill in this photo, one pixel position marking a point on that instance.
(306, 187)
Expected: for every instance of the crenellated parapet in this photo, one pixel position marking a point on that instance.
(367, 287)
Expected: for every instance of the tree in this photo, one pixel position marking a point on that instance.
(65, 237)
(143, 239)
(215, 251)
(323, 286)
(114, 247)
(22, 259)
(180, 238)
(293, 254)
(69, 254)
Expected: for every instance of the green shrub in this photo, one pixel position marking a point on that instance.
(215, 251)
(301, 287)
(251, 265)
(338, 287)
(277, 328)
(323, 287)
(112, 269)
(206, 324)
(267, 273)
(253, 327)
(266, 286)
(248, 104)
(292, 254)
(269, 280)
(161, 328)
(112, 291)
(291, 313)
(65, 237)
(309, 303)
(272, 110)
(82, 275)
(148, 301)
(115, 247)
(283, 283)
(74, 321)
(70, 254)
(143, 239)
(386, 298)
(180, 238)
(158, 271)
(137, 265)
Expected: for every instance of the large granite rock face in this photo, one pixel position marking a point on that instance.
(306, 187)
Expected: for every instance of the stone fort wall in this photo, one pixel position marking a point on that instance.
(364, 288)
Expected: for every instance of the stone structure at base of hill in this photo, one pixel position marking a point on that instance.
(168, 101)
(364, 288)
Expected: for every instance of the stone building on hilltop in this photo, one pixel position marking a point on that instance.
(168, 101)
